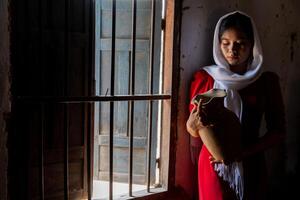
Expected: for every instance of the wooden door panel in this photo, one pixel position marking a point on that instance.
(54, 153)
(123, 24)
(120, 167)
(54, 178)
(78, 15)
(54, 14)
(54, 61)
(123, 61)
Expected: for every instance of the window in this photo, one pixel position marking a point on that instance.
(57, 108)
(129, 71)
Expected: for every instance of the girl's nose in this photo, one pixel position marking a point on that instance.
(233, 48)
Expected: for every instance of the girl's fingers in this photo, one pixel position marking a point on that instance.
(199, 106)
(213, 160)
(195, 107)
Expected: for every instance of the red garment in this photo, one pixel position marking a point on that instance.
(202, 82)
(262, 97)
(208, 180)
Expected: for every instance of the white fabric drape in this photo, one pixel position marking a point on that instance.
(232, 82)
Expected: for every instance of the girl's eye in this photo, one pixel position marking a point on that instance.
(241, 43)
(225, 43)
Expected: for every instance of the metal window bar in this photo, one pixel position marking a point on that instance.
(40, 35)
(132, 88)
(41, 156)
(91, 72)
(112, 87)
(66, 107)
(150, 111)
(91, 99)
(66, 151)
(41, 164)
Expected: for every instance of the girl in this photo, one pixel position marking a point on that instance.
(251, 96)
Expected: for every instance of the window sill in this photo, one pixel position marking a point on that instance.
(155, 193)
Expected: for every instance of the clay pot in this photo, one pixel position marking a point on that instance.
(221, 136)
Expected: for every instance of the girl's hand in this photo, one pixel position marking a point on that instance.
(212, 160)
(194, 122)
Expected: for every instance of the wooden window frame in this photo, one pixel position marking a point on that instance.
(171, 52)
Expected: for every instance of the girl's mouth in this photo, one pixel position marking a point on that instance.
(232, 57)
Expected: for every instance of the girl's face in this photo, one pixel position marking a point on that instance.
(236, 49)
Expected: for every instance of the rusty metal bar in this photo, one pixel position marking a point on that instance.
(150, 111)
(42, 111)
(41, 167)
(91, 99)
(41, 49)
(132, 88)
(66, 106)
(90, 107)
(66, 151)
(112, 88)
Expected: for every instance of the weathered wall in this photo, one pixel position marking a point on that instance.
(4, 94)
(279, 29)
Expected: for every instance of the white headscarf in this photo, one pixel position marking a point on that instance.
(232, 82)
(228, 80)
